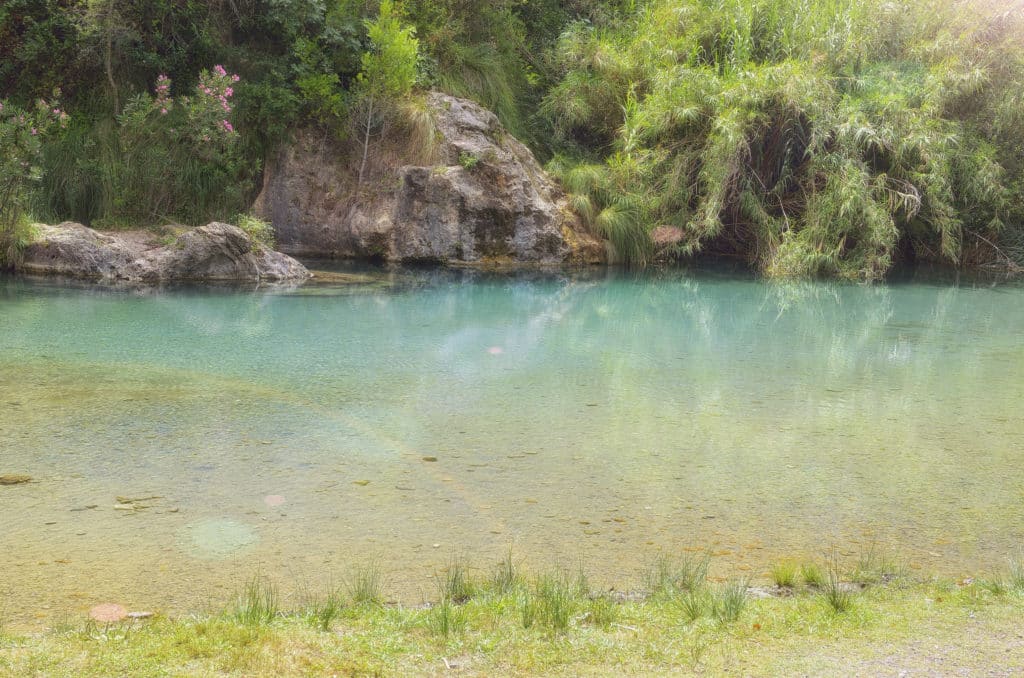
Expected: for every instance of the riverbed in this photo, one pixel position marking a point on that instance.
(183, 440)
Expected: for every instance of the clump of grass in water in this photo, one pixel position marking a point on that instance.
(812, 575)
(838, 596)
(874, 567)
(670, 577)
(365, 587)
(729, 601)
(455, 586)
(784, 574)
(257, 603)
(553, 601)
(1016, 576)
(506, 579)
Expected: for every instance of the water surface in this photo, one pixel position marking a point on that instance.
(603, 418)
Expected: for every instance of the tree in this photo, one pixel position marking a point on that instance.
(389, 72)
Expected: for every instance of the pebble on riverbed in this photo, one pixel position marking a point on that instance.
(108, 613)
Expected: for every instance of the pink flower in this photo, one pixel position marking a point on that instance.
(228, 92)
(163, 111)
(34, 131)
(227, 126)
(235, 78)
(219, 70)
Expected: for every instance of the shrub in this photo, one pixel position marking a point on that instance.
(21, 133)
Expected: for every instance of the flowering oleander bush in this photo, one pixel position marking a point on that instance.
(181, 156)
(21, 132)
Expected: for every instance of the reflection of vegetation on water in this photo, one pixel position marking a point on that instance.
(614, 416)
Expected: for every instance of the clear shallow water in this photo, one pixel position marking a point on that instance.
(604, 418)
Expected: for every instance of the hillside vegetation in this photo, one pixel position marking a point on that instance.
(809, 137)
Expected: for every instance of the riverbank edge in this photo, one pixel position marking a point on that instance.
(873, 620)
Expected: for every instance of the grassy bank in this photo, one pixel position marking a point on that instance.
(871, 619)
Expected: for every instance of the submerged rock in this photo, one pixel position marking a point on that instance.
(215, 252)
(14, 479)
(108, 613)
(480, 198)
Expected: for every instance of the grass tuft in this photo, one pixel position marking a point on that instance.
(366, 586)
(669, 577)
(259, 230)
(505, 577)
(695, 604)
(1016, 574)
(812, 575)
(258, 603)
(446, 619)
(454, 585)
(836, 592)
(784, 574)
(729, 601)
(552, 603)
(602, 612)
(324, 611)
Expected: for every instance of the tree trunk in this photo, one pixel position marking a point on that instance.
(108, 56)
(366, 140)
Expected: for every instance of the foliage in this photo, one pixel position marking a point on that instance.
(784, 574)
(257, 604)
(21, 135)
(815, 137)
(387, 76)
(259, 230)
(669, 577)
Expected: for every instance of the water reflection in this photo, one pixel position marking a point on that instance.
(606, 415)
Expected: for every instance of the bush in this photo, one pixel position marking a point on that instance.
(21, 133)
(809, 137)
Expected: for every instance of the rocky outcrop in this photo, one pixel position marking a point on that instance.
(484, 199)
(215, 252)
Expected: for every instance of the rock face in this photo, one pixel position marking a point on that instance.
(215, 252)
(485, 199)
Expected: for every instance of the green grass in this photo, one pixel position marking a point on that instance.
(668, 577)
(553, 602)
(446, 619)
(728, 601)
(812, 575)
(258, 603)
(825, 137)
(1016, 574)
(922, 627)
(505, 577)
(366, 585)
(454, 584)
(259, 230)
(837, 593)
(324, 611)
(784, 574)
(695, 604)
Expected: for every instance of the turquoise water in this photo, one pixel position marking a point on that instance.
(603, 418)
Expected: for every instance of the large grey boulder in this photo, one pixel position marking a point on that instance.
(483, 199)
(215, 252)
